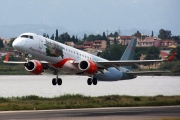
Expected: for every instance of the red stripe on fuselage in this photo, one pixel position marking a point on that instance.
(62, 62)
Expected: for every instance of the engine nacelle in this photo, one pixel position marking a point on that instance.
(34, 67)
(88, 66)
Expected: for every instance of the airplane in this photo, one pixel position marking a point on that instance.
(56, 57)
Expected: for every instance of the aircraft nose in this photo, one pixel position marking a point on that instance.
(16, 44)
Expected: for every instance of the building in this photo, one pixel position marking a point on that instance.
(112, 40)
(164, 54)
(166, 43)
(80, 47)
(6, 41)
(99, 44)
(124, 40)
(70, 43)
(146, 42)
(3, 53)
(154, 41)
(88, 44)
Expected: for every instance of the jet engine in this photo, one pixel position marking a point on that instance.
(34, 67)
(88, 66)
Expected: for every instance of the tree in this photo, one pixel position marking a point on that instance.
(114, 52)
(104, 36)
(80, 42)
(137, 34)
(110, 35)
(94, 37)
(56, 37)
(47, 36)
(115, 41)
(73, 39)
(152, 53)
(85, 37)
(152, 35)
(67, 37)
(115, 36)
(164, 34)
(44, 34)
(139, 51)
(1, 43)
(168, 33)
(76, 40)
(11, 42)
(52, 37)
(176, 38)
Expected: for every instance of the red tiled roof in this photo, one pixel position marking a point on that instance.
(126, 37)
(78, 46)
(98, 40)
(87, 42)
(167, 41)
(163, 53)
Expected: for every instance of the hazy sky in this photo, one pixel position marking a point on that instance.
(94, 15)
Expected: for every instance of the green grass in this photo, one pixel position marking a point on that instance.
(79, 101)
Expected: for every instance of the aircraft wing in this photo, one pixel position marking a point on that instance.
(18, 62)
(139, 73)
(107, 64)
(21, 62)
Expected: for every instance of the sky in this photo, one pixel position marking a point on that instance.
(94, 15)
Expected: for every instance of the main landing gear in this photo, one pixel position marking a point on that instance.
(57, 80)
(92, 81)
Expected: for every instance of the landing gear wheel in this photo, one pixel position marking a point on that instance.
(54, 81)
(94, 81)
(59, 81)
(89, 81)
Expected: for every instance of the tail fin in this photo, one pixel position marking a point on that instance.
(129, 52)
(172, 56)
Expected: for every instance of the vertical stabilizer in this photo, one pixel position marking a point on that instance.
(129, 52)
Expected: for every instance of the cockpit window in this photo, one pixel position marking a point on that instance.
(31, 37)
(24, 36)
(27, 36)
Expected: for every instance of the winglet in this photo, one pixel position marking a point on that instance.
(172, 56)
(7, 57)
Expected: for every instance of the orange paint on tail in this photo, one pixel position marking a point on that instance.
(172, 56)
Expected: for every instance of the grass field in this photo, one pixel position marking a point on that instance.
(79, 101)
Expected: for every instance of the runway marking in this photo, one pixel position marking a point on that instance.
(107, 108)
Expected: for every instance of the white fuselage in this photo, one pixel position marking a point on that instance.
(53, 52)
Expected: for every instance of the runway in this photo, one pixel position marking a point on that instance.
(115, 113)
